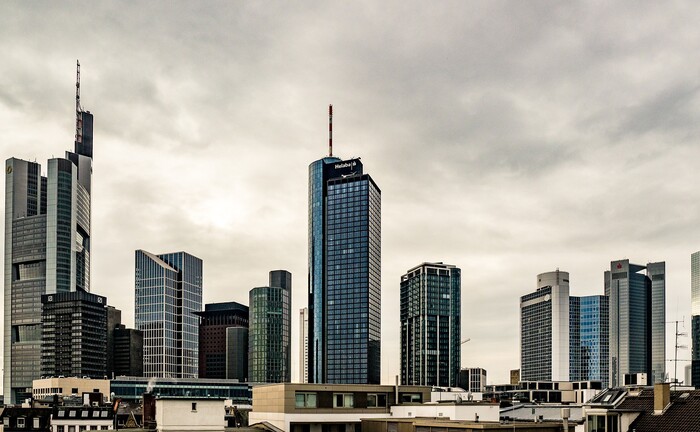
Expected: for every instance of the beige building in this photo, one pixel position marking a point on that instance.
(73, 386)
(189, 415)
(414, 425)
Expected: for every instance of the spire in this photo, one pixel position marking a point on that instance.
(78, 108)
(330, 130)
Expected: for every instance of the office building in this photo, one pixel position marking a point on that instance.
(269, 335)
(472, 380)
(47, 248)
(127, 351)
(304, 345)
(237, 353)
(168, 293)
(593, 339)
(74, 334)
(514, 376)
(114, 320)
(344, 273)
(544, 329)
(430, 325)
(695, 317)
(637, 299)
(214, 345)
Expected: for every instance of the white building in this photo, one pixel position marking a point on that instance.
(81, 418)
(189, 415)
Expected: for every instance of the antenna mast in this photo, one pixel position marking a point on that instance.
(330, 130)
(78, 108)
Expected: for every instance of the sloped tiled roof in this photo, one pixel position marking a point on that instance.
(683, 415)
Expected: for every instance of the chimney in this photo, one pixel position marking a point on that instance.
(662, 397)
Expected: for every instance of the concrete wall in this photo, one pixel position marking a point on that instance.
(486, 412)
(175, 415)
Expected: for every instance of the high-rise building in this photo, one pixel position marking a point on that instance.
(74, 334)
(269, 335)
(344, 273)
(473, 379)
(114, 320)
(637, 300)
(304, 345)
(430, 325)
(695, 316)
(594, 335)
(237, 353)
(47, 248)
(514, 376)
(545, 329)
(127, 350)
(168, 293)
(216, 319)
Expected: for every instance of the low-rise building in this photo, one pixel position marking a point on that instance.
(24, 419)
(81, 418)
(129, 388)
(69, 386)
(425, 424)
(189, 415)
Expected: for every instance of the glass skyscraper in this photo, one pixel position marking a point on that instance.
(168, 293)
(269, 335)
(430, 325)
(593, 337)
(47, 249)
(637, 317)
(695, 317)
(344, 273)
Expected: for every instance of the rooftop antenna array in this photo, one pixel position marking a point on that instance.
(78, 108)
(330, 130)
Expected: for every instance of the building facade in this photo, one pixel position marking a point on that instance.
(695, 317)
(430, 325)
(594, 338)
(545, 329)
(47, 249)
(269, 335)
(127, 351)
(637, 301)
(74, 334)
(168, 293)
(213, 341)
(344, 273)
(473, 379)
(304, 345)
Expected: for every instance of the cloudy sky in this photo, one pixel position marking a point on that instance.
(508, 138)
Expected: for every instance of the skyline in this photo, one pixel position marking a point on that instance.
(481, 122)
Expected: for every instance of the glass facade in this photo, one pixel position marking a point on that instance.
(168, 293)
(344, 273)
(636, 315)
(269, 335)
(695, 317)
(133, 388)
(430, 325)
(594, 322)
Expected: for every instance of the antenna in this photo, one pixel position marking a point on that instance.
(78, 108)
(330, 130)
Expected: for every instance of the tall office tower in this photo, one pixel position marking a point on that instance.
(304, 345)
(430, 325)
(168, 293)
(695, 316)
(127, 350)
(269, 334)
(637, 314)
(114, 320)
(544, 329)
(344, 273)
(472, 379)
(47, 248)
(576, 354)
(213, 325)
(237, 353)
(594, 335)
(74, 334)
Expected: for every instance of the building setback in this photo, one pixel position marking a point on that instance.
(430, 325)
(637, 320)
(168, 293)
(344, 273)
(74, 334)
(269, 335)
(47, 248)
(215, 341)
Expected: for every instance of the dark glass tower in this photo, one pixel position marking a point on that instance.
(74, 334)
(47, 249)
(344, 273)
(168, 293)
(214, 323)
(269, 334)
(637, 302)
(430, 325)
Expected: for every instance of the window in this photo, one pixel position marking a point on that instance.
(6, 422)
(20, 422)
(376, 400)
(305, 400)
(194, 406)
(83, 428)
(343, 400)
(71, 428)
(74, 390)
(60, 428)
(35, 422)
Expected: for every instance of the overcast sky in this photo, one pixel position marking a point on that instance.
(508, 139)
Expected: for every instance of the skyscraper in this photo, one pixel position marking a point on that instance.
(269, 335)
(695, 316)
(344, 273)
(594, 338)
(545, 329)
(637, 320)
(74, 334)
(304, 345)
(47, 248)
(216, 319)
(168, 293)
(430, 325)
